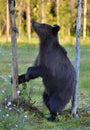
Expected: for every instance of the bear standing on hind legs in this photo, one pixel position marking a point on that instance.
(55, 68)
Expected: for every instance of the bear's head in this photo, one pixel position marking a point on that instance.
(45, 31)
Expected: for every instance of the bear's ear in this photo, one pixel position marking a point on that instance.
(55, 28)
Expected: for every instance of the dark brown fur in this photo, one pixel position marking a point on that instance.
(55, 68)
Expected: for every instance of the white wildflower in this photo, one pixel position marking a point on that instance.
(9, 64)
(14, 105)
(6, 99)
(6, 107)
(3, 91)
(10, 108)
(16, 125)
(9, 104)
(21, 108)
(7, 115)
(9, 76)
(18, 92)
(12, 129)
(25, 116)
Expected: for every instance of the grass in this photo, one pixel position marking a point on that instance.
(18, 119)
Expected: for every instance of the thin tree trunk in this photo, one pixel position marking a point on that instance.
(85, 19)
(14, 49)
(57, 10)
(77, 58)
(42, 12)
(28, 20)
(20, 19)
(7, 23)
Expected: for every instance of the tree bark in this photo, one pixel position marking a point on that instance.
(85, 19)
(14, 49)
(28, 20)
(77, 58)
(7, 23)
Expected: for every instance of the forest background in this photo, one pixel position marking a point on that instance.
(62, 12)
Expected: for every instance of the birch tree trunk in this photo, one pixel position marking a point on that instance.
(85, 19)
(7, 23)
(28, 20)
(14, 49)
(77, 58)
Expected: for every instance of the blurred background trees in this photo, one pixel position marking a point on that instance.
(62, 12)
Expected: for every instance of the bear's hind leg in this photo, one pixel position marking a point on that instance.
(46, 99)
(53, 104)
(54, 107)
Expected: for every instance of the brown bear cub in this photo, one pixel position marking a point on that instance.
(55, 68)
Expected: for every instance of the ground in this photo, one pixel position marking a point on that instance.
(17, 119)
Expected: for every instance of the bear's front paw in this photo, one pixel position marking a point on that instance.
(21, 79)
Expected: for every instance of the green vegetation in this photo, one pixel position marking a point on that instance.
(17, 119)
